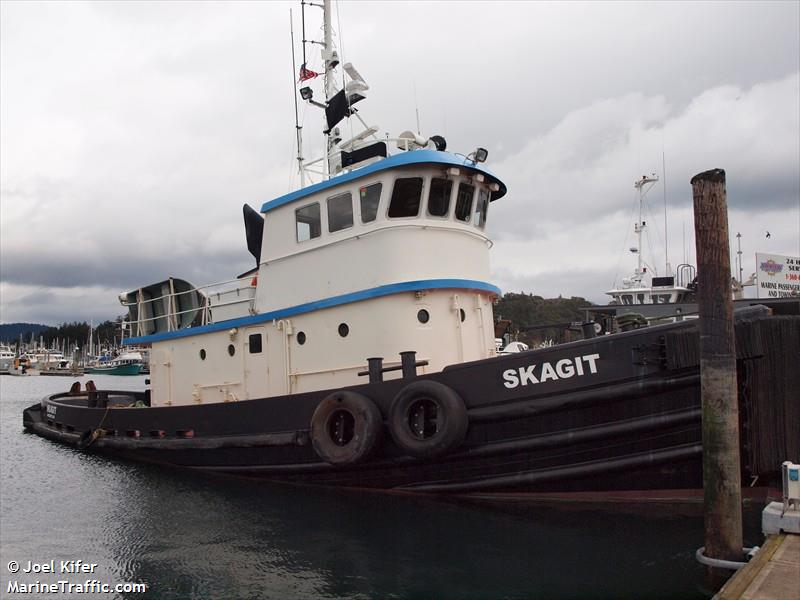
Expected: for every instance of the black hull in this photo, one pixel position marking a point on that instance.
(631, 426)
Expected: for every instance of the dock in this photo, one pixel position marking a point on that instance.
(774, 572)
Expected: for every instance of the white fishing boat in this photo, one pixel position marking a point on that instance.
(7, 356)
(645, 286)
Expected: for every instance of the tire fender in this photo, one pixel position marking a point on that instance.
(427, 418)
(346, 428)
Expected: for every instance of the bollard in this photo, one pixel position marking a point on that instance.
(375, 367)
(408, 361)
(721, 463)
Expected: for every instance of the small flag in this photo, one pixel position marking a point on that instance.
(307, 73)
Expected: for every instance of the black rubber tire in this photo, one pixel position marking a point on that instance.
(346, 428)
(427, 419)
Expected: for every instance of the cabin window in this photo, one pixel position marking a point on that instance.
(439, 197)
(627, 299)
(423, 316)
(254, 343)
(406, 197)
(301, 338)
(343, 329)
(481, 206)
(340, 212)
(640, 298)
(370, 197)
(309, 223)
(464, 201)
(231, 349)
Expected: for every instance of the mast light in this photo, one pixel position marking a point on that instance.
(480, 155)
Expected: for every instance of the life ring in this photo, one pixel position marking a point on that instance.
(345, 428)
(427, 418)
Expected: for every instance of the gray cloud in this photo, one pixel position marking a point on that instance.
(133, 132)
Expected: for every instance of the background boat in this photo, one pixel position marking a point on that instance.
(129, 363)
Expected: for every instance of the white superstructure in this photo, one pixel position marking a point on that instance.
(386, 254)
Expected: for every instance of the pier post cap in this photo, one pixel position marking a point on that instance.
(712, 175)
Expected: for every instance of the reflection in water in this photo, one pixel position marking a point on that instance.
(191, 535)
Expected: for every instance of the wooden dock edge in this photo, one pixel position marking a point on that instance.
(737, 585)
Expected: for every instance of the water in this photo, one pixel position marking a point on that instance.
(189, 535)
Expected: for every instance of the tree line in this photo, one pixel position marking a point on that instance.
(517, 313)
(76, 333)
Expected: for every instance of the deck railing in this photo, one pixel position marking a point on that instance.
(165, 306)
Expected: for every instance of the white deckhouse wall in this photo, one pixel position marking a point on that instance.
(362, 285)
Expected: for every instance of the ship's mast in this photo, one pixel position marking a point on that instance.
(298, 128)
(643, 185)
(330, 61)
(339, 98)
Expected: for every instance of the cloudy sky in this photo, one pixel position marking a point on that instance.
(132, 133)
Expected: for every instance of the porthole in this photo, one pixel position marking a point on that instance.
(343, 329)
(423, 316)
(202, 354)
(463, 314)
(231, 349)
(301, 338)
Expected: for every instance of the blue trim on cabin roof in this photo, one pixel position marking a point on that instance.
(412, 157)
(282, 313)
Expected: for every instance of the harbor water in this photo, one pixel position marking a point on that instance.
(191, 535)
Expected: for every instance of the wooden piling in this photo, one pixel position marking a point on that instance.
(721, 463)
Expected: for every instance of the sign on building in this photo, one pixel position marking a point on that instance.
(778, 276)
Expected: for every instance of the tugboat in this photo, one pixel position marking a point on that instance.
(360, 351)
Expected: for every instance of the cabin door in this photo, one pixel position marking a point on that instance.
(161, 375)
(256, 371)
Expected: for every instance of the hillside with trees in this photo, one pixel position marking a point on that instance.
(528, 314)
(67, 334)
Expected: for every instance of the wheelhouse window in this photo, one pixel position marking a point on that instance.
(370, 196)
(406, 197)
(439, 197)
(464, 201)
(340, 212)
(309, 223)
(481, 206)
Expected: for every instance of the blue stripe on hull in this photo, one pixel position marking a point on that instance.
(377, 292)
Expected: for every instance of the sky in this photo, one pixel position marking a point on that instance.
(131, 133)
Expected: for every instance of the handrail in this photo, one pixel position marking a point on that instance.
(194, 289)
(171, 316)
